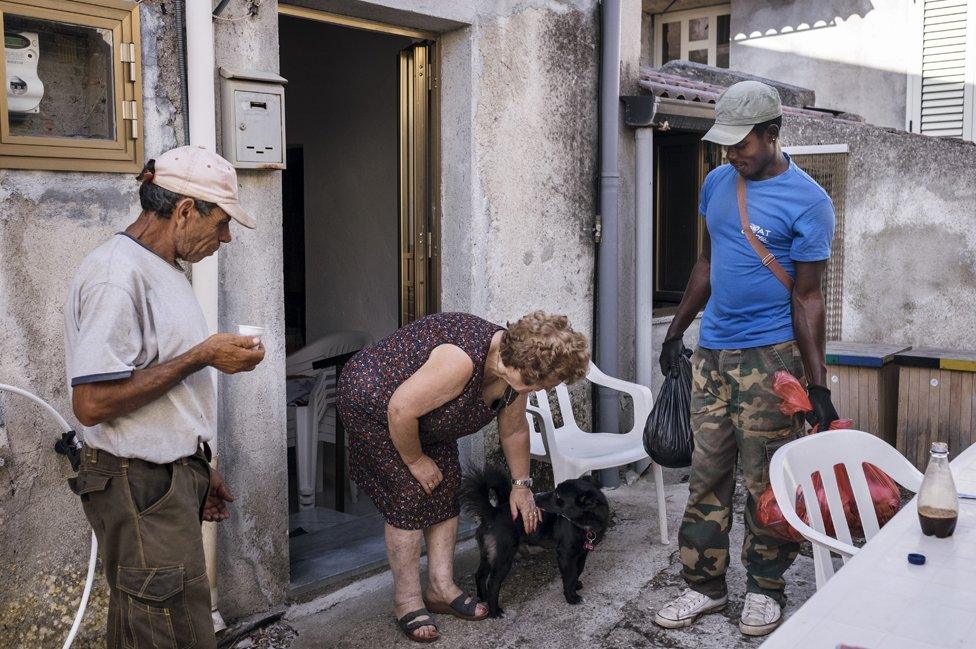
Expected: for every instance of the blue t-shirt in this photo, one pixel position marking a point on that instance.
(794, 218)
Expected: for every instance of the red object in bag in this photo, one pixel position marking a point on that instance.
(884, 491)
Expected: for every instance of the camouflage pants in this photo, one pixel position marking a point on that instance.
(735, 414)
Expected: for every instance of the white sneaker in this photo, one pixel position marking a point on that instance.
(761, 614)
(686, 608)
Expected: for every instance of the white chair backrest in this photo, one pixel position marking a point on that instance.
(538, 406)
(323, 394)
(793, 466)
(643, 401)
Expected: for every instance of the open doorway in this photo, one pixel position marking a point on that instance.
(359, 261)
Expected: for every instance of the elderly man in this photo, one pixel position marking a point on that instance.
(138, 361)
(770, 228)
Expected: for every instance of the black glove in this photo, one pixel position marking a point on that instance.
(823, 413)
(671, 351)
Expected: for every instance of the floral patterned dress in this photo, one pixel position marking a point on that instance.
(366, 385)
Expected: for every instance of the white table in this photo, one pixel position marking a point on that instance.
(880, 601)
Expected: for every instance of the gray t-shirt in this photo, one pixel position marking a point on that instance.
(129, 309)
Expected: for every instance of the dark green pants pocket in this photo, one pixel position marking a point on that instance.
(153, 608)
(88, 482)
(149, 484)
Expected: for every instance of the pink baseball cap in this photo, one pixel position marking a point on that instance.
(198, 173)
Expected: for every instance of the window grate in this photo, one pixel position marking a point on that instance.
(830, 171)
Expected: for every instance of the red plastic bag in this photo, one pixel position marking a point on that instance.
(884, 491)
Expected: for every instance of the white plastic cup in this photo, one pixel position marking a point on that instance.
(250, 330)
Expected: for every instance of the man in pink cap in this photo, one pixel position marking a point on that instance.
(139, 362)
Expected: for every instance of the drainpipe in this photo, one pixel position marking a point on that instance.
(200, 67)
(202, 109)
(639, 113)
(607, 348)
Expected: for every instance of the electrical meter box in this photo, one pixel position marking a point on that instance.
(253, 119)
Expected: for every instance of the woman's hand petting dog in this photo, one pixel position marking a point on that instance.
(522, 501)
(426, 472)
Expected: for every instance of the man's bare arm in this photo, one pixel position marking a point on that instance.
(94, 403)
(809, 320)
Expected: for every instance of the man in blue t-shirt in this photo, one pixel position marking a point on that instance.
(764, 312)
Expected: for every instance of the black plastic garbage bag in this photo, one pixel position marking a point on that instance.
(667, 435)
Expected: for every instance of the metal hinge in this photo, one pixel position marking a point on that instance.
(430, 245)
(127, 53)
(430, 77)
(130, 114)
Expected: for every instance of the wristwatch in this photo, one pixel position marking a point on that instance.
(527, 483)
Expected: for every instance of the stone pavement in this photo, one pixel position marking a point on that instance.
(628, 577)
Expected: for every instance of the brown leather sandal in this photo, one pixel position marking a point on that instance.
(463, 608)
(410, 623)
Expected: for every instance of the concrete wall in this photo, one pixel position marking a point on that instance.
(854, 53)
(630, 53)
(253, 544)
(518, 135)
(48, 222)
(909, 247)
(344, 115)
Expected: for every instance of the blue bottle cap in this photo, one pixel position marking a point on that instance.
(916, 559)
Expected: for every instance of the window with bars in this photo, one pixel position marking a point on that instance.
(830, 172)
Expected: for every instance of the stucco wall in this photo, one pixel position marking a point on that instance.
(909, 245)
(518, 132)
(252, 563)
(853, 53)
(48, 222)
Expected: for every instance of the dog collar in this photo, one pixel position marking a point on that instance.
(588, 544)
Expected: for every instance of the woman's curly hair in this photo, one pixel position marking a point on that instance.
(542, 346)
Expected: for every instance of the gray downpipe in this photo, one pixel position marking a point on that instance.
(607, 348)
(181, 62)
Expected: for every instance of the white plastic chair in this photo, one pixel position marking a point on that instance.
(795, 463)
(573, 452)
(316, 422)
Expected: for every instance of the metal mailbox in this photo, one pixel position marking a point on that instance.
(253, 119)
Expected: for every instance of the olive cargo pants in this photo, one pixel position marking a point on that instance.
(147, 520)
(735, 414)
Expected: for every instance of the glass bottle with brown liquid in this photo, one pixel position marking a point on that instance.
(938, 503)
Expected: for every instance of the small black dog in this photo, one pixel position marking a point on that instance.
(574, 520)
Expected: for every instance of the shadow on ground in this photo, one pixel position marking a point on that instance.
(627, 579)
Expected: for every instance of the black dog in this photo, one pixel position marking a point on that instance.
(574, 520)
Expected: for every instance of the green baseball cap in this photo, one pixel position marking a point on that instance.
(741, 107)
